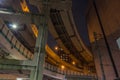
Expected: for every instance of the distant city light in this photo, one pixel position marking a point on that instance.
(62, 67)
(56, 48)
(73, 63)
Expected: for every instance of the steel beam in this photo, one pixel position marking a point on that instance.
(15, 67)
(6, 11)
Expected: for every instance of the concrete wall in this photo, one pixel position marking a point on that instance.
(109, 14)
(110, 17)
(106, 62)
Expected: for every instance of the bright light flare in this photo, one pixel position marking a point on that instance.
(14, 26)
(62, 67)
(56, 48)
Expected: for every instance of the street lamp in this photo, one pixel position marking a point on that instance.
(73, 63)
(56, 47)
(14, 26)
(62, 67)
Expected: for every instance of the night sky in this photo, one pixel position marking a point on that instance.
(78, 8)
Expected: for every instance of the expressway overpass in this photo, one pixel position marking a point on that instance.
(26, 48)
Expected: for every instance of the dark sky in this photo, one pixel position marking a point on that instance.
(78, 8)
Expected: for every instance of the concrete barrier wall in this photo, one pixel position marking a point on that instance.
(106, 62)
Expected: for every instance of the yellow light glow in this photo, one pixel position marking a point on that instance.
(34, 29)
(73, 63)
(24, 6)
(62, 67)
(56, 48)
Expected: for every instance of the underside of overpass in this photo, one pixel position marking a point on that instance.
(59, 40)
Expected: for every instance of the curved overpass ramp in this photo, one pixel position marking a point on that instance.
(64, 30)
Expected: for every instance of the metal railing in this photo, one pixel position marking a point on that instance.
(8, 35)
(56, 69)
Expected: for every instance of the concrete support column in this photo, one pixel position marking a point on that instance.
(41, 40)
(32, 74)
(39, 56)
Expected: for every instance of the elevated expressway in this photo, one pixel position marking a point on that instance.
(61, 26)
